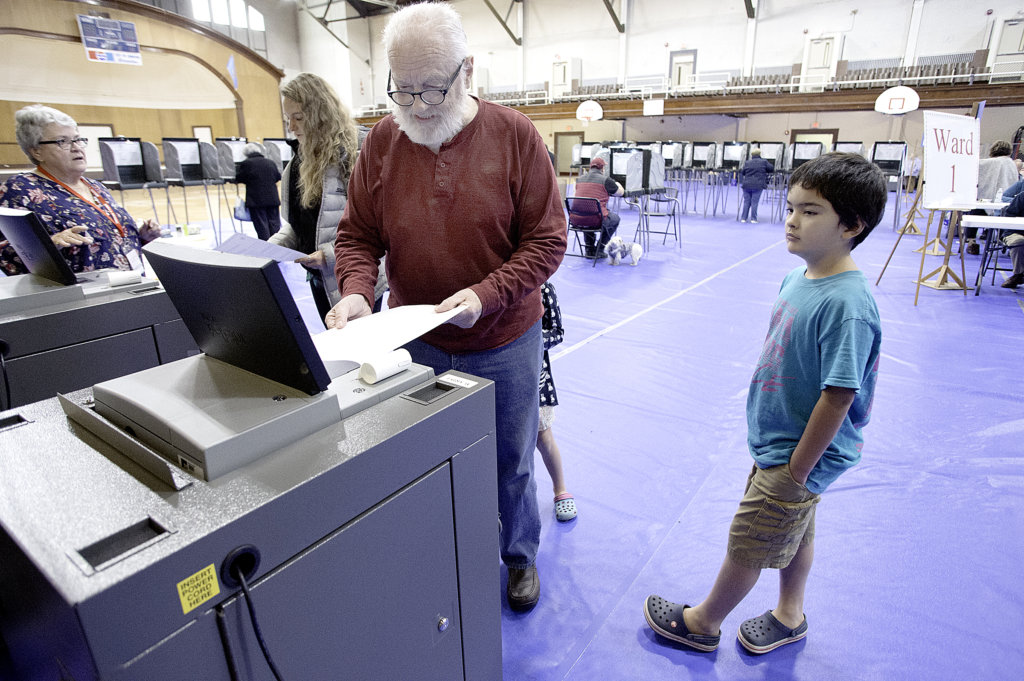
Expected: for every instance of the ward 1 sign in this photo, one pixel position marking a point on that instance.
(950, 160)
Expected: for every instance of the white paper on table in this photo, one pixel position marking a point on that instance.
(378, 334)
(243, 244)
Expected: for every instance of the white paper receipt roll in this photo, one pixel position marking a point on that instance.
(123, 277)
(379, 368)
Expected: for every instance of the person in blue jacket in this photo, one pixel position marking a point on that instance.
(753, 179)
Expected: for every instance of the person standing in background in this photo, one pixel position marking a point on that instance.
(314, 189)
(260, 176)
(754, 180)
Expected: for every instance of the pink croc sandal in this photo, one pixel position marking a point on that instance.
(565, 507)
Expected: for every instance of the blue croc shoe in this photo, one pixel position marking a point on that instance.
(666, 618)
(763, 634)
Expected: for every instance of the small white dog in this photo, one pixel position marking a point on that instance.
(617, 249)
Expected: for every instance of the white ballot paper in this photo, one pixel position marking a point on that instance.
(369, 337)
(242, 244)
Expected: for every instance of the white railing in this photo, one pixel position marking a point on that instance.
(717, 82)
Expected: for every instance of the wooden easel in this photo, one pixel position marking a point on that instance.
(908, 228)
(944, 273)
(936, 246)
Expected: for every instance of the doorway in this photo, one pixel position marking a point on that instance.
(564, 142)
(827, 136)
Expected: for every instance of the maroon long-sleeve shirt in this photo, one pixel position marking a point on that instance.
(483, 213)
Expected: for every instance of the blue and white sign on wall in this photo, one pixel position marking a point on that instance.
(109, 40)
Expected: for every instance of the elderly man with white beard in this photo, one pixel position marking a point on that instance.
(461, 197)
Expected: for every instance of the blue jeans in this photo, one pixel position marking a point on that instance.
(751, 197)
(609, 226)
(515, 370)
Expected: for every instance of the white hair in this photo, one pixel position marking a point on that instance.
(251, 149)
(434, 21)
(31, 121)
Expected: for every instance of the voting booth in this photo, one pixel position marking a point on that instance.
(734, 155)
(672, 152)
(890, 156)
(278, 151)
(850, 148)
(149, 563)
(125, 167)
(631, 168)
(705, 155)
(802, 152)
(231, 153)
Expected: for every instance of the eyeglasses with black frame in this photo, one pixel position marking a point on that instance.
(432, 96)
(65, 143)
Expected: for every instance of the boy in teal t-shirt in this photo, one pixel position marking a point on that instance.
(809, 398)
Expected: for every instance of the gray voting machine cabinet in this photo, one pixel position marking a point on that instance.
(364, 530)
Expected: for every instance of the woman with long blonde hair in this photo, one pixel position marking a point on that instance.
(314, 186)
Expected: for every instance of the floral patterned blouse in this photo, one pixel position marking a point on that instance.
(59, 210)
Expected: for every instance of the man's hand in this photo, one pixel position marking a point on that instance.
(73, 236)
(352, 306)
(313, 261)
(468, 316)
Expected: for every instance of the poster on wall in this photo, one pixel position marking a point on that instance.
(109, 40)
(950, 160)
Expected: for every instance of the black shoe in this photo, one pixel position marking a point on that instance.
(973, 248)
(1013, 281)
(523, 588)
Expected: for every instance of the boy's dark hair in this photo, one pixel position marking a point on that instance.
(853, 185)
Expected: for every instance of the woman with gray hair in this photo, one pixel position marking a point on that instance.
(260, 176)
(91, 229)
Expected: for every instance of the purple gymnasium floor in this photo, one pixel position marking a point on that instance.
(919, 547)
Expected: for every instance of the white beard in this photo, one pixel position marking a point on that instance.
(445, 124)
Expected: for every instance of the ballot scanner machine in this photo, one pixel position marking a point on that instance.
(368, 545)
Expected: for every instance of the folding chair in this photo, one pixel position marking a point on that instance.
(585, 217)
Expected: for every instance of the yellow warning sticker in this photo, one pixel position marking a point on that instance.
(197, 589)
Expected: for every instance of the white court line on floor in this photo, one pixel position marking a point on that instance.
(609, 329)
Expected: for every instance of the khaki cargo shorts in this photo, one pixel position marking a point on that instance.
(775, 518)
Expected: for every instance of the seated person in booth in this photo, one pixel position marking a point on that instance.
(85, 222)
(1015, 240)
(461, 196)
(596, 185)
(754, 180)
(995, 174)
(260, 176)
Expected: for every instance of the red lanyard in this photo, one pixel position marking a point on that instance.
(106, 210)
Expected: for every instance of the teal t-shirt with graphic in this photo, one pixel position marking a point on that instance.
(822, 332)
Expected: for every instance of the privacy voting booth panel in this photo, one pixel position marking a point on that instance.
(278, 150)
(587, 153)
(231, 151)
(672, 152)
(804, 152)
(687, 154)
(849, 147)
(182, 160)
(734, 154)
(704, 155)
(630, 168)
(774, 152)
(122, 161)
(889, 156)
(655, 173)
